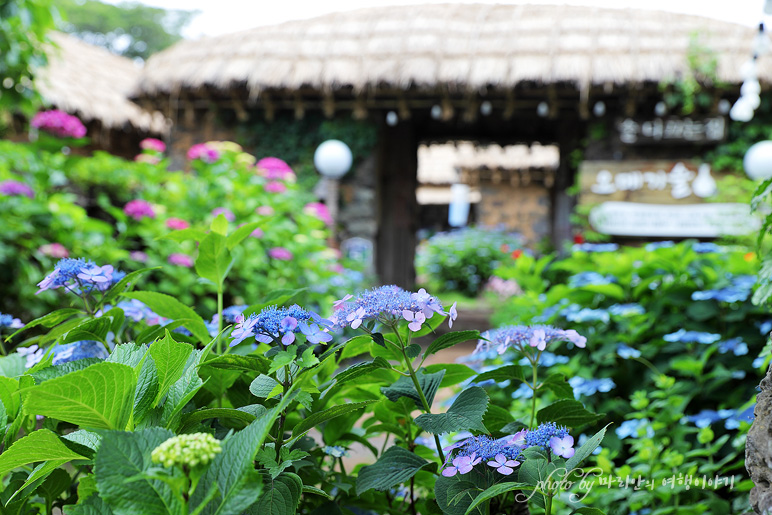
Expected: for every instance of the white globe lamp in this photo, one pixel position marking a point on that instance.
(333, 159)
(758, 161)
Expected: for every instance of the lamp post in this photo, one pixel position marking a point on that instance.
(332, 160)
(758, 161)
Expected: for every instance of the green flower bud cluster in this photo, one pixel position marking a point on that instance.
(187, 450)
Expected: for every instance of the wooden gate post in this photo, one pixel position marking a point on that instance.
(397, 209)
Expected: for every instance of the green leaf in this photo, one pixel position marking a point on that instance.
(49, 320)
(567, 412)
(52, 372)
(395, 466)
(169, 307)
(323, 416)
(585, 450)
(94, 329)
(124, 455)
(9, 396)
(454, 494)
(182, 391)
(316, 491)
(83, 442)
(465, 414)
(146, 391)
(242, 363)
(12, 366)
(404, 387)
(413, 350)
(189, 234)
(613, 291)
(93, 505)
(129, 354)
(506, 373)
(232, 471)
(54, 485)
(496, 418)
(448, 340)
(495, 491)
(170, 358)
(361, 369)
(454, 373)
(87, 487)
(99, 397)
(190, 420)
(214, 261)
(559, 386)
(242, 233)
(40, 445)
(586, 510)
(276, 297)
(129, 279)
(264, 387)
(281, 495)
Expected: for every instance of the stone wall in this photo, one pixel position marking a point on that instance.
(758, 449)
(523, 209)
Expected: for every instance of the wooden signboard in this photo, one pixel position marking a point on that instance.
(671, 130)
(653, 182)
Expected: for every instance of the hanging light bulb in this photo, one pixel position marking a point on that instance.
(761, 43)
(486, 108)
(748, 70)
(768, 7)
(660, 109)
(391, 119)
(724, 106)
(741, 111)
(542, 109)
(750, 87)
(599, 109)
(758, 161)
(436, 112)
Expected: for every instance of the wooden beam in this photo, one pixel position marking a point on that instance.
(509, 106)
(397, 180)
(299, 106)
(268, 106)
(360, 108)
(328, 105)
(570, 135)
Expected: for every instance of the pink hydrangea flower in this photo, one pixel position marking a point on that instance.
(318, 210)
(264, 210)
(257, 233)
(153, 144)
(181, 260)
(138, 255)
(274, 168)
(15, 188)
(275, 187)
(54, 250)
(177, 224)
(147, 158)
(203, 152)
(280, 253)
(225, 212)
(59, 124)
(138, 209)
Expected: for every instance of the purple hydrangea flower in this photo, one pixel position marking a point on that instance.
(503, 465)
(227, 213)
(156, 145)
(139, 209)
(10, 322)
(77, 275)
(180, 260)
(562, 446)
(274, 323)
(280, 254)
(59, 124)
(386, 305)
(15, 188)
(203, 152)
(461, 465)
(542, 435)
(519, 337)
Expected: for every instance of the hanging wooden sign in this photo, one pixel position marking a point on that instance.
(671, 130)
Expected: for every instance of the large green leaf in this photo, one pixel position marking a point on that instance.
(360, 369)
(98, 397)
(395, 466)
(585, 450)
(93, 505)
(506, 373)
(448, 340)
(404, 387)
(125, 455)
(567, 412)
(232, 471)
(190, 420)
(319, 417)
(454, 494)
(47, 373)
(169, 307)
(454, 373)
(182, 391)
(170, 358)
(495, 491)
(12, 366)
(40, 445)
(49, 320)
(264, 387)
(214, 261)
(280, 496)
(465, 414)
(242, 233)
(559, 386)
(129, 279)
(257, 364)
(129, 354)
(9, 396)
(147, 389)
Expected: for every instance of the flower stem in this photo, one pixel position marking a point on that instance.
(533, 397)
(280, 435)
(219, 320)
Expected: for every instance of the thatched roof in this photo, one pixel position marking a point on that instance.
(94, 84)
(462, 47)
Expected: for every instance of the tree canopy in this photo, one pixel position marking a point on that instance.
(130, 29)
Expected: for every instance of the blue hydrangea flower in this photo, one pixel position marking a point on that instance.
(684, 336)
(707, 417)
(335, 451)
(464, 455)
(10, 322)
(734, 345)
(589, 278)
(78, 275)
(64, 353)
(281, 324)
(595, 247)
(766, 327)
(577, 314)
(633, 428)
(734, 420)
(387, 305)
(626, 352)
(588, 387)
(705, 247)
(656, 245)
(739, 290)
(759, 362)
(541, 436)
(520, 337)
(626, 310)
(523, 392)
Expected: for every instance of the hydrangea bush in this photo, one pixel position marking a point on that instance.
(131, 402)
(675, 355)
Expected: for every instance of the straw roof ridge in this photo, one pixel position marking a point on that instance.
(92, 83)
(462, 47)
